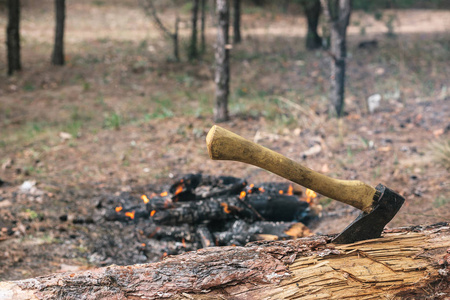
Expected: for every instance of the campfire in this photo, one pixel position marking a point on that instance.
(200, 211)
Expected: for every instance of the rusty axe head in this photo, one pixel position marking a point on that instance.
(370, 225)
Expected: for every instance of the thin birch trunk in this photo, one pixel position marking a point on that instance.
(222, 73)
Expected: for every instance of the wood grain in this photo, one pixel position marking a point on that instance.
(226, 145)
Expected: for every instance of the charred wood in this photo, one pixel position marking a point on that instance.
(197, 212)
(280, 207)
(206, 239)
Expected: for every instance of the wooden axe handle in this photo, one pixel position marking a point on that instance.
(226, 145)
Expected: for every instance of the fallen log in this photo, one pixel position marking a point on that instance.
(411, 262)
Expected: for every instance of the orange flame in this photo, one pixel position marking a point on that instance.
(152, 213)
(163, 194)
(242, 195)
(143, 244)
(119, 208)
(261, 189)
(281, 192)
(130, 214)
(250, 188)
(225, 207)
(183, 241)
(145, 199)
(179, 189)
(290, 190)
(310, 195)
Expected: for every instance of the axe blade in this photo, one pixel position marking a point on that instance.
(370, 225)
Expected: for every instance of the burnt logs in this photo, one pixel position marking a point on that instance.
(199, 211)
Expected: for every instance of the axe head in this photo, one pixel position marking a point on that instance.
(367, 226)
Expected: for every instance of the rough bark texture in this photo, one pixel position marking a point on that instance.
(312, 10)
(193, 51)
(58, 49)
(222, 76)
(405, 263)
(338, 14)
(13, 36)
(237, 22)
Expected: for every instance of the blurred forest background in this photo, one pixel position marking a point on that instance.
(121, 108)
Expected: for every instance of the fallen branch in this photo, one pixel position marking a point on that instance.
(406, 262)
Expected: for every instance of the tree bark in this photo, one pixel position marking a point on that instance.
(222, 75)
(193, 51)
(406, 263)
(176, 51)
(237, 22)
(312, 10)
(338, 14)
(203, 24)
(58, 49)
(13, 36)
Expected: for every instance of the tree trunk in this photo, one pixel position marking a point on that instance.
(312, 10)
(13, 36)
(58, 50)
(222, 76)
(406, 263)
(193, 51)
(176, 51)
(202, 29)
(237, 22)
(338, 14)
(150, 10)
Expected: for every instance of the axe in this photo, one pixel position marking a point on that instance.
(378, 205)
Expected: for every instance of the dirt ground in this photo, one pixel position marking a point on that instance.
(122, 116)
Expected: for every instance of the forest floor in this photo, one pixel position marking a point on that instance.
(122, 116)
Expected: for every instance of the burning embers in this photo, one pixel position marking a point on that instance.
(201, 211)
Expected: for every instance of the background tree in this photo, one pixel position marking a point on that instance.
(58, 49)
(222, 76)
(150, 10)
(337, 13)
(259, 2)
(13, 36)
(312, 9)
(193, 51)
(202, 29)
(237, 22)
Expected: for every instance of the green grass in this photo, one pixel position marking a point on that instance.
(441, 201)
(112, 121)
(33, 215)
(29, 87)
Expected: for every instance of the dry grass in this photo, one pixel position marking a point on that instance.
(441, 151)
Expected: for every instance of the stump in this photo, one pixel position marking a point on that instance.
(411, 262)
